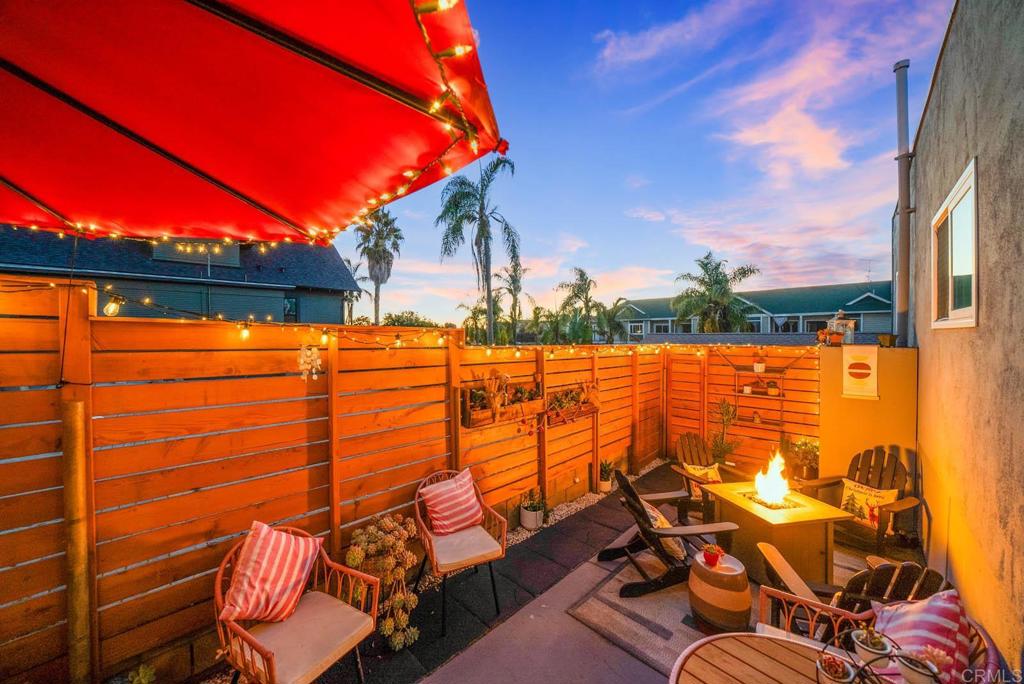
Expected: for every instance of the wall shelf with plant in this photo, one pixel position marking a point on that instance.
(496, 399)
(569, 405)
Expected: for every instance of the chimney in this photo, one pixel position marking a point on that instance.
(903, 157)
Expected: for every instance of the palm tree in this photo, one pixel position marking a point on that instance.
(511, 279)
(710, 295)
(466, 205)
(476, 316)
(608, 322)
(379, 243)
(349, 299)
(579, 291)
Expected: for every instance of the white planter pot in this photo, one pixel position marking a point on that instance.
(759, 367)
(846, 679)
(531, 520)
(871, 655)
(604, 486)
(916, 672)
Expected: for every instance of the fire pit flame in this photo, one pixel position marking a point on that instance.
(771, 487)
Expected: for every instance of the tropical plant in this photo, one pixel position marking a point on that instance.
(144, 674)
(511, 279)
(607, 467)
(710, 297)
(467, 206)
(379, 243)
(475, 322)
(608, 323)
(361, 320)
(533, 502)
(408, 319)
(579, 291)
(577, 326)
(721, 445)
(349, 299)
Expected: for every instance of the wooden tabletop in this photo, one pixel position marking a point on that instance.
(746, 658)
(806, 510)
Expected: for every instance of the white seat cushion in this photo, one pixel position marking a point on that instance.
(319, 633)
(464, 549)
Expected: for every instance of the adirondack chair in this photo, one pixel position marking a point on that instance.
(883, 581)
(876, 468)
(693, 450)
(649, 538)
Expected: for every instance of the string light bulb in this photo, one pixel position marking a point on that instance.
(398, 340)
(324, 337)
(113, 307)
(456, 51)
(488, 351)
(244, 331)
(518, 353)
(435, 6)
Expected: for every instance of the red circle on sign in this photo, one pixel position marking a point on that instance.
(859, 370)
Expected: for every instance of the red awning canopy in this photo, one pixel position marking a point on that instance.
(250, 119)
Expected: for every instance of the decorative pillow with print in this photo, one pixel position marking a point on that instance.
(673, 546)
(863, 502)
(709, 473)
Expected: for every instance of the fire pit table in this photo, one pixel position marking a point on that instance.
(801, 528)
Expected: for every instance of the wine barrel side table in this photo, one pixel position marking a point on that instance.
(720, 596)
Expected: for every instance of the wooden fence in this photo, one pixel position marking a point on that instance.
(188, 433)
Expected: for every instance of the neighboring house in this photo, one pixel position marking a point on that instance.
(289, 282)
(785, 310)
(966, 279)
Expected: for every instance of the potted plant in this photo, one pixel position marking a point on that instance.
(832, 668)
(923, 666)
(721, 446)
(772, 389)
(604, 481)
(531, 511)
(870, 645)
(747, 389)
(803, 454)
(712, 554)
(760, 364)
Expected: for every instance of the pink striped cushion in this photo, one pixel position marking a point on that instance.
(452, 505)
(938, 621)
(270, 575)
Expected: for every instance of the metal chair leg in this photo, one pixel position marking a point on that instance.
(444, 605)
(359, 665)
(235, 676)
(419, 576)
(494, 589)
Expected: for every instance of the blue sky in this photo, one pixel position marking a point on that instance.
(647, 132)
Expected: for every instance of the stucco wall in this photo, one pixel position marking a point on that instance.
(971, 406)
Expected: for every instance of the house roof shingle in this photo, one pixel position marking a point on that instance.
(791, 300)
(287, 265)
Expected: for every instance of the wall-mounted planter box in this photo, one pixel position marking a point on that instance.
(570, 415)
(481, 417)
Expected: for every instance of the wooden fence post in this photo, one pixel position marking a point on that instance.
(542, 427)
(595, 445)
(454, 402)
(334, 450)
(75, 304)
(702, 355)
(666, 390)
(634, 448)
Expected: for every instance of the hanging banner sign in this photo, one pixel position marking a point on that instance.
(860, 371)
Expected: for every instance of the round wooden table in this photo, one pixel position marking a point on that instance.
(745, 658)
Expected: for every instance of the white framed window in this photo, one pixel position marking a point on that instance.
(636, 328)
(954, 256)
(660, 326)
(754, 324)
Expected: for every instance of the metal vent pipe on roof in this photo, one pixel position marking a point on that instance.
(902, 242)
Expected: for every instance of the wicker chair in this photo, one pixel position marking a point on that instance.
(795, 617)
(337, 611)
(471, 547)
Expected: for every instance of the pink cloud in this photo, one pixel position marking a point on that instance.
(542, 267)
(569, 244)
(645, 214)
(625, 280)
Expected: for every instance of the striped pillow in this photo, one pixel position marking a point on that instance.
(270, 575)
(938, 621)
(452, 505)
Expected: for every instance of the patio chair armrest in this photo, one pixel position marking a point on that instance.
(821, 482)
(695, 530)
(789, 577)
(354, 587)
(665, 497)
(495, 525)
(817, 615)
(688, 475)
(246, 654)
(904, 504)
(732, 469)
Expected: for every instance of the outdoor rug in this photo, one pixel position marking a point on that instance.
(654, 628)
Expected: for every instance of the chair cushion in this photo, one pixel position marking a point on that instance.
(672, 545)
(452, 504)
(270, 575)
(464, 549)
(709, 473)
(863, 501)
(938, 621)
(319, 633)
